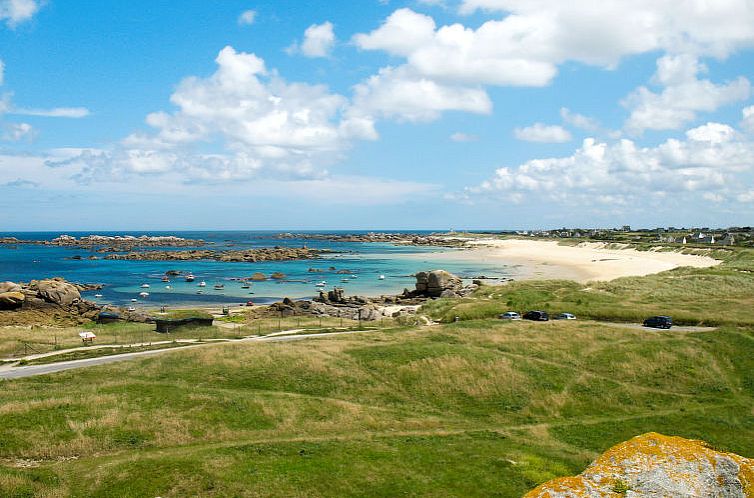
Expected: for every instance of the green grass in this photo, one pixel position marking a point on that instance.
(720, 295)
(475, 408)
(478, 407)
(180, 314)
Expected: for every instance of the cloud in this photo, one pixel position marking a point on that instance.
(579, 120)
(682, 97)
(746, 197)
(19, 183)
(602, 31)
(319, 40)
(16, 131)
(56, 112)
(259, 124)
(247, 17)
(463, 137)
(539, 132)
(14, 12)
(397, 93)
(748, 119)
(713, 159)
(457, 54)
(534, 37)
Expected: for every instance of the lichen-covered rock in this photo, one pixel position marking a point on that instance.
(11, 300)
(655, 466)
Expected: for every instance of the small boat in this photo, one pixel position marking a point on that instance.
(134, 300)
(202, 284)
(382, 277)
(165, 279)
(344, 280)
(320, 284)
(200, 292)
(143, 294)
(219, 286)
(145, 286)
(354, 276)
(190, 277)
(168, 287)
(246, 285)
(98, 295)
(131, 309)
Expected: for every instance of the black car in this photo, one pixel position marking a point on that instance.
(537, 316)
(659, 322)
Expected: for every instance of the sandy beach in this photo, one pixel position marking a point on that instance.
(588, 261)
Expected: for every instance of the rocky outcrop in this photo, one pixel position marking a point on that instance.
(9, 287)
(11, 300)
(438, 283)
(653, 466)
(56, 291)
(50, 301)
(247, 256)
(438, 239)
(110, 243)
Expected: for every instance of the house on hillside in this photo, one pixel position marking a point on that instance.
(728, 240)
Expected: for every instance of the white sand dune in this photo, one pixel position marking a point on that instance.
(588, 261)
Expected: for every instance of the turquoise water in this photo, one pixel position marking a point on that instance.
(123, 279)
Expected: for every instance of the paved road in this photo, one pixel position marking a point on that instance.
(674, 328)
(9, 372)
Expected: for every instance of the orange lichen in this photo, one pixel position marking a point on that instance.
(681, 460)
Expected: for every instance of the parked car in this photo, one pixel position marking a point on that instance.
(659, 322)
(509, 315)
(537, 316)
(566, 316)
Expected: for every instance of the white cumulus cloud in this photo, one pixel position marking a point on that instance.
(397, 93)
(259, 123)
(539, 132)
(247, 17)
(713, 159)
(14, 12)
(682, 97)
(319, 40)
(463, 137)
(14, 132)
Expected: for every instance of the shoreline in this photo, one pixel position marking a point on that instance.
(585, 262)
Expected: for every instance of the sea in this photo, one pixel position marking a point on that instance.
(123, 281)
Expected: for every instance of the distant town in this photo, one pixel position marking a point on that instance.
(739, 236)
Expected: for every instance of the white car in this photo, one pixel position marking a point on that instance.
(509, 315)
(565, 316)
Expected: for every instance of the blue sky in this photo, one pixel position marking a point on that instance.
(375, 114)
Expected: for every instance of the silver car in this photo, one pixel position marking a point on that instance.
(565, 316)
(509, 315)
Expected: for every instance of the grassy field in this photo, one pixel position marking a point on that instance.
(720, 295)
(22, 341)
(475, 408)
(478, 407)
